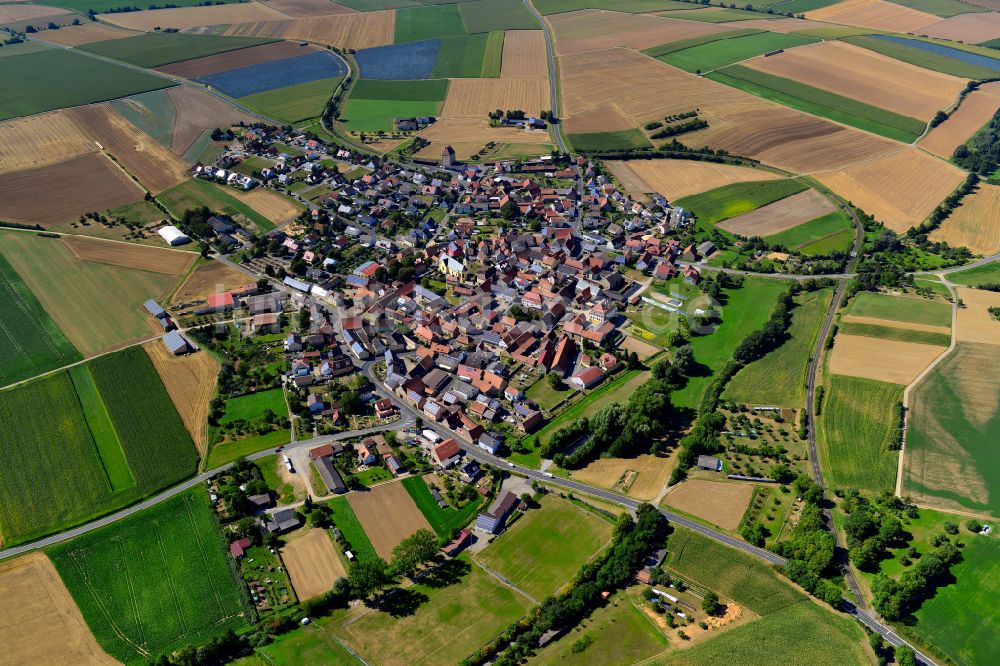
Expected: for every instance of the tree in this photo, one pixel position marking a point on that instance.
(781, 473)
(368, 577)
(710, 603)
(905, 656)
(684, 361)
(413, 551)
(509, 210)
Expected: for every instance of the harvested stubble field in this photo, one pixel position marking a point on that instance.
(680, 178)
(477, 97)
(645, 89)
(388, 515)
(26, 12)
(39, 619)
(954, 425)
(900, 189)
(312, 563)
(891, 361)
(221, 62)
(75, 35)
(719, 503)
(975, 224)
(36, 141)
(155, 166)
(780, 216)
(86, 183)
(524, 55)
(189, 381)
(597, 30)
(212, 277)
(193, 17)
(650, 474)
(866, 76)
(153, 259)
(307, 8)
(974, 112)
(969, 28)
(277, 209)
(974, 322)
(352, 31)
(878, 14)
(197, 111)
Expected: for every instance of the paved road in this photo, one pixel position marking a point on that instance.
(553, 83)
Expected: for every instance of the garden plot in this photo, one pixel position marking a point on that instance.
(265, 76)
(524, 55)
(182, 18)
(36, 141)
(313, 564)
(780, 216)
(719, 503)
(388, 515)
(351, 31)
(975, 224)
(893, 361)
(413, 60)
(970, 28)
(878, 14)
(680, 178)
(972, 115)
(596, 30)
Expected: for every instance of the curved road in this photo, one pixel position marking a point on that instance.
(553, 87)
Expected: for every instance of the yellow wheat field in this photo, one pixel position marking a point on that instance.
(900, 190)
(878, 14)
(353, 31)
(193, 17)
(26, 143)
(74, 35)
(475, 98)
(972, 114)
(975, 224)
(596, 30)
(679, 178)
(884, 360)
(524, 55)
(975, 323)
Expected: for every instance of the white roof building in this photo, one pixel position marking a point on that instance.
(173, 235)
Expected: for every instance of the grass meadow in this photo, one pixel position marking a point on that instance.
(493, 58)
(728, 201)
(416, 23)
(443, 521)
(682, 44)
(155, 581)
(375, 103)
(900, 308)
(308, 646)
(293, 104)
(889, 333)
(30, 343)
(720, 53)
(254, 405)
(349, 525)
(101, 428)
(779, 378)
(990, 273)
(154, 49)
(600, 141)
(833, 232)
(854, 430)
(226, 452)
(544, 548)
(488, 15)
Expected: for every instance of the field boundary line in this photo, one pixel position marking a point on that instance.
(170, 581)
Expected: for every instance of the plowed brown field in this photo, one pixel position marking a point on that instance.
(971, 28)
(129, 255)
(64, 191)
(679, 178)
(304, 8)
(388, 515)
(785, 214)
(722, 504)
(143, 157)
(41, 623)
(475, 98)
(196, 111)
(75, 35)
(233, 59)
(885, 360)
(190, 382)
(899, 190)
(866, 76)
(35, 141)
(193, 17)
(976, 223)
(524, 55)
(878, 14)
(972, 114)
(597, 30)
(353, 31)
(975, 323)
(313, 564)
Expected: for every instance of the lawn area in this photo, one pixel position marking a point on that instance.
(58, 78)
(155, 581)
(720, 53)
(832, 232)
(545, 547)
(154, 49)
(599, 141)
(488, 15)
(293, 103)
(440, 620)
(415, 23)
(444, 521)
(462, 57)
(253, 406)
(349, 525)
(547, 397)
(822, 103)
(30, 343)
(900, 308)
(306, 646)
(779, 378)
(373, 475)
(681, 44)
(853, 433)
(728, 201)
(226, 452)
(195, 192)
(990, 273)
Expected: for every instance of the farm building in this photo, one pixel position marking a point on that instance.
(710, 463)
(456, 546)
(331, 477)
(264, 323)
(589, 377)
(176, 343)
(494, 520)
(221, 302)
(153, 308)
(173, 235)
(281, 521)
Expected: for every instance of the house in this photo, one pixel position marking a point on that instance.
(493, 521)
(260, 502)
(281, 521)
(448, 157)
(176, 343)
(446, 453)
(329, 474)
(264, 323)
(384, 408)
(221, 302)
(490, 443)
(456, 546)
(366, 455)
(587, 378)
(470, 471)
(315, 403)
(709, 463)
(238, 548)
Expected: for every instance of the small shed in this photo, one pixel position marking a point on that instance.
(709, 463)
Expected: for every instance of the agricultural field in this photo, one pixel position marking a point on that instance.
(543, 549)
(269, 51)
(618, 140)
(262, 77)
(96, 305)
(470, 56)
(955, 60)
(40, 140)
(780, 216)
(209, 277)
(374, 104)
(895, 361)
(349, 31)
(975, 224)
(900, 308)
(444, 522)
(971, 28)
(729, 201)
(31, 342)
(309, 8)
(40, 620)
(196, 113)
(585, 31)
(162, 575)
(974, 321)
(447, 623)
(487, 15)
(876, 14)
(720, 53)
(975, 111)
(160, 48)
(547, 7)
(779, 377)
(675, 179)
(254, 405)
(642, 477)
(524, 55)
(58, 78)
(976, 276)
(478, 97)
(313, 563)
(854, 432)
(388, 515)
(893, 330)
(85, 33)
(717, 502)
(833, 232)
(193, 193)
(662, 50)
(193, 17)
(399, 62)
(421, 22)
(189, 381)
(717, 15)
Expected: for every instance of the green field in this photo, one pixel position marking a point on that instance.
(30, 343)
(23, 48)
(227, 452)
(415, 23)
(925, 59)
(833, 232)
(100, 6)
(462, 57)
(57, 78)
(293, 104)
(308, 646)
(720, 53)
(942, 8)
(493, 58)
(803, 6)
(155, 581)
(821, 103)
(600, 141)
(953, 429)
(369, 115)
(545, 547)
(681, 44)
(489, 15)
(349, 525)
(889, 333)
(900, 308)
(547, 397)
(546, 7)
(154, 49)
(779, 378)
(153, 113)
(194, 192)
(853, 433)
(990, 273)
(443, 620)
(721, 15)
(729, 201)
(101, 428)
(253, 405)
(443, 521)
(433, 90)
